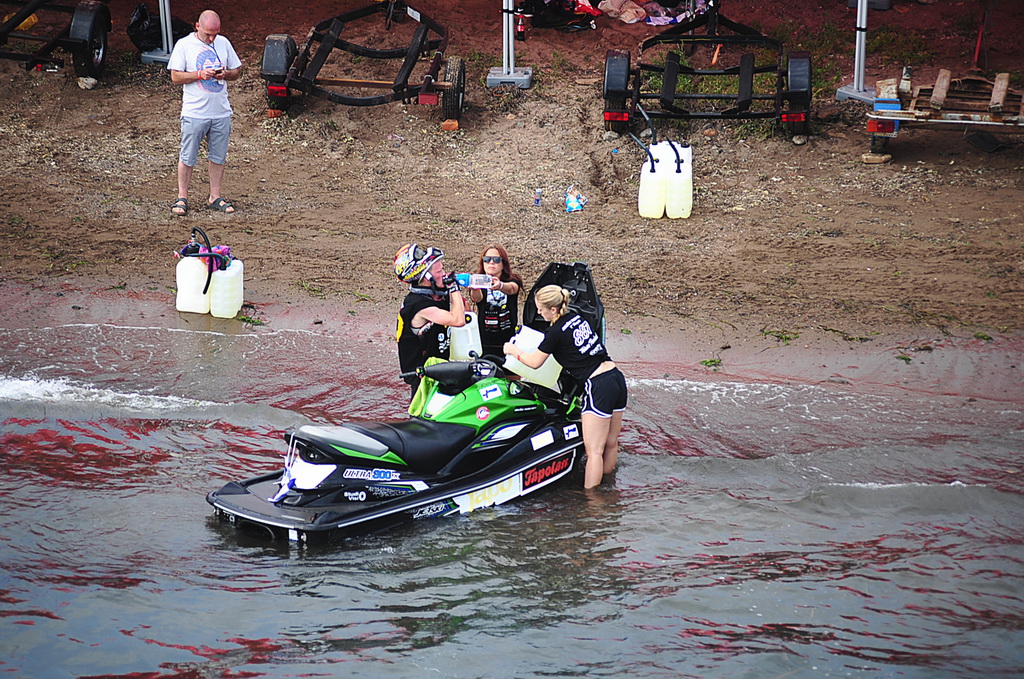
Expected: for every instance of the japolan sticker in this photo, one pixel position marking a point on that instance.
(543, 474)
(493, 391)
(483, 412)
(570, 431)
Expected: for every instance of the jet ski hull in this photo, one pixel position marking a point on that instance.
(247, 505)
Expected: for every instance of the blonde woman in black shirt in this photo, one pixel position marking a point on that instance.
(578, 348)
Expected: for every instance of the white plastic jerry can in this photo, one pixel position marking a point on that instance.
(651, 197)
(227, 290)
(547, 374)
(465, 339)
(190, 275)
(677, 166)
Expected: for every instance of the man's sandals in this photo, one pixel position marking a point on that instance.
(221, 205)
(179, 208)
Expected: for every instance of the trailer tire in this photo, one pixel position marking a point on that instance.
(278, 54)
(799, 90)
(454, 97)
(90, 26)
(616, 87)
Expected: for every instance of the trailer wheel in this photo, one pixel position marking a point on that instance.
(798, 90)
(89, 28)
(279, 51)
(616, 86)
(453, 98)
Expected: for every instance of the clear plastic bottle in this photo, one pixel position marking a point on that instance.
(474, 280)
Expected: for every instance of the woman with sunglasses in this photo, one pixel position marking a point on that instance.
(497, 307)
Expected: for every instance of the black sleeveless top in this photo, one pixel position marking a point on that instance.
(414, 347)
(498, 316)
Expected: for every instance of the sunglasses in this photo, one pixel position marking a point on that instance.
(492, 260)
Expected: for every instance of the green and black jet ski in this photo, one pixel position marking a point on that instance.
(479, 439)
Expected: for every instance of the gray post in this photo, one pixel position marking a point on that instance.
(858, 91)
(162, 55)
(508, 74)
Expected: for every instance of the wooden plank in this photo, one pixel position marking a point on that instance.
(965, 105)
(886, 89)
(955, 104)
(998, 100)
(351, 82)
(940, 89)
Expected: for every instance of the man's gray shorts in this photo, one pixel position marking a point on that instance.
(216, 130)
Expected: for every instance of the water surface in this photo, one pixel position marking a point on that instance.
(754, 528)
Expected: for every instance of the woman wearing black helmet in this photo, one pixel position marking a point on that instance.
(433, 305)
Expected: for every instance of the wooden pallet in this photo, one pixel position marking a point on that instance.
(971, 95)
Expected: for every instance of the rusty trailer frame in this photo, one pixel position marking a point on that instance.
(286, 68)
(968, 103)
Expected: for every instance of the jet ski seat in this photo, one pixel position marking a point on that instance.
(426, 446)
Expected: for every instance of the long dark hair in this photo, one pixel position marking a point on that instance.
(506, 266)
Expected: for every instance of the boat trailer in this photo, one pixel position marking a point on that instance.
(967, 104)
(287, 69)
(755, 84)
(84, 37)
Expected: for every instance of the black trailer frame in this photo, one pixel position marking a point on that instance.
(84, 36)
(285, 68)
(625, 95)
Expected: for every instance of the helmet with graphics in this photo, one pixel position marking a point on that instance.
(412, 261)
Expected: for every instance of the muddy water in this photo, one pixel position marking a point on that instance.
(755, 528)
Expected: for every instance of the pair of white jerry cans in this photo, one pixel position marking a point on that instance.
(666, 181)
(221, 298)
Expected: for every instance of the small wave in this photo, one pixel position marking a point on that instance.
(913, 484)
(64, 391)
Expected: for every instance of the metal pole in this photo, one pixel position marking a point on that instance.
(162, 55)
(508, 74)
(509, 58)
(858, 91)
(165, 24)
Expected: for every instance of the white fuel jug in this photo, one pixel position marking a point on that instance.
(226, 290)
(677, 167)
(651, 197)
(190, 275)
(547, 374)
(465, 339)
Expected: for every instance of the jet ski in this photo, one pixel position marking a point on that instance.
(479, 438)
